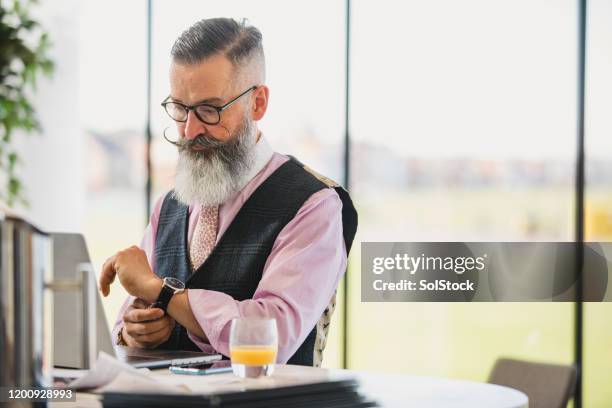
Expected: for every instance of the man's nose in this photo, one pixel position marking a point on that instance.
(194, 126)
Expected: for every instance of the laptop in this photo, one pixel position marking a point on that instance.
(69, 251)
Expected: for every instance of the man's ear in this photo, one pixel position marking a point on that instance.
(261, 96)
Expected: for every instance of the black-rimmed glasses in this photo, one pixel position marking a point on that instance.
(207, 113)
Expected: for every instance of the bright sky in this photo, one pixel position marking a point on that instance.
(437, 78)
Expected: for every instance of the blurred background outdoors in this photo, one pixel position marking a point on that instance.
(462, 127)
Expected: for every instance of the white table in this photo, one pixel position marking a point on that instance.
(390, 390)
(405, 390)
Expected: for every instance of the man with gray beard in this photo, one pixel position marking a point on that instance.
(246, 232)
(210, 177)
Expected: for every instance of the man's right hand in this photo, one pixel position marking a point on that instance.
(145, 328)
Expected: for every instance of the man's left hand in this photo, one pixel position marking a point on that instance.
(132, 268)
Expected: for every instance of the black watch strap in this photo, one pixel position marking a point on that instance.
(164, 298)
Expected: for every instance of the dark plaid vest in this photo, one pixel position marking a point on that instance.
(236, 263)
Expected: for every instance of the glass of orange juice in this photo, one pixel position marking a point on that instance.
(253, 346)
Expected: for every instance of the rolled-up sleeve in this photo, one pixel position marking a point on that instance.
(299, 278)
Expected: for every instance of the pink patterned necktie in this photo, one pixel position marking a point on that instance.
(204, 236)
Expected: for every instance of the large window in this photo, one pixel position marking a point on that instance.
(112, 59)
(463, 130)
(598, 200)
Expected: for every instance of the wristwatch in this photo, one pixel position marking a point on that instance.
(170, 287)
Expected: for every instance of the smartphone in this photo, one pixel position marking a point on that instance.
(217, 367)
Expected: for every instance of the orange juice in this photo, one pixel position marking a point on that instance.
(253, 355)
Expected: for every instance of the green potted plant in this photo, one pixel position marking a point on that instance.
(24, 47)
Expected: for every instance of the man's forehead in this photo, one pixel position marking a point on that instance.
(210, 78)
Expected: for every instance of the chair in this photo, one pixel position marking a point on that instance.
(546, 385)
(323, 331)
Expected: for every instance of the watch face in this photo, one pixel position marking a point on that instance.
(174, 283)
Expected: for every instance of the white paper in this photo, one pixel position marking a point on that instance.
(126, 382)
(106, 369)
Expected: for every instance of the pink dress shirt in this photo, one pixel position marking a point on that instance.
(299, 278)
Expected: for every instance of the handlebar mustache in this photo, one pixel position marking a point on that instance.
(200, 140)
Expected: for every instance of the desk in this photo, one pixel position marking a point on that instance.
(390, 390)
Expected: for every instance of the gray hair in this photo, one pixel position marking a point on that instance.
(240, 42)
